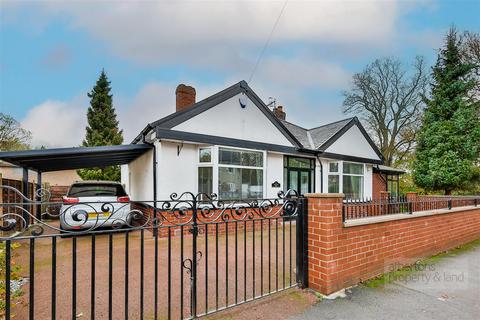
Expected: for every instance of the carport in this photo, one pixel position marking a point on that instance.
(45, 160)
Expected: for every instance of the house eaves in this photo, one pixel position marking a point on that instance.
(177, 118)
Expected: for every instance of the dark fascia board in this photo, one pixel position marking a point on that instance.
(176, 118)
(216, 140)
(44, 160)
(337, 156)
(342, 131)
(276, 122)
(389, 171)
(72, 151)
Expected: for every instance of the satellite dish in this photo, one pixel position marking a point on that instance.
(243, 101)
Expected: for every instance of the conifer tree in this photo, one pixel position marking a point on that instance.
(102, 129)
(448, 145)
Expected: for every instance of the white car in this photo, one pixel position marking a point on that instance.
(95, 204)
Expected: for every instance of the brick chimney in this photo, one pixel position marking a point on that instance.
(279, 113)
(185, 96)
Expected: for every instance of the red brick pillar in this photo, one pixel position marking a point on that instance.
(412, 198)
(384, 196)
(325, 228)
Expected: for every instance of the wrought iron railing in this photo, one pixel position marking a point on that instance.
(363, 208)
(183, 257)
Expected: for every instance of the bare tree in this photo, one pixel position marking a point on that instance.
(12, 135)
(387, 97)
(470, 45)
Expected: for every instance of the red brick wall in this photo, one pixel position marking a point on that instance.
(379, 184)
(340, 256)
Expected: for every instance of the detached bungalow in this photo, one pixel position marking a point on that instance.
(233, 145)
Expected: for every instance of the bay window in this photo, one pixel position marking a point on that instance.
(240, 174)
(231, 173)
(347, 178)
(205, 155)
(205, 171)
(333, 178)
(205, 180)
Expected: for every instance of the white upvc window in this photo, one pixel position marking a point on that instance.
(205, 170)
(346, 177)
(231, 173)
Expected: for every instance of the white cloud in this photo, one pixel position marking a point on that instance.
(303, 72)
(57, 123)
(222, 33)
(152, 102)
(224, 36)
(62, 123)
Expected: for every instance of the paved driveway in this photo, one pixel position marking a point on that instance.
(448, 289)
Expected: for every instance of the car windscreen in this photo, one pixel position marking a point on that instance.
(96, 190)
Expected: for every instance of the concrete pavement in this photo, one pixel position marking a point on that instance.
(444, 288)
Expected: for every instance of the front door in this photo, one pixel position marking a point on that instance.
(299, 174)
(299, 180)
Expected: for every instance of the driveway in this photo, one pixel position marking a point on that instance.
(240, 271)
(448, 288)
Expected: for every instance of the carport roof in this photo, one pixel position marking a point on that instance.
(44, 160)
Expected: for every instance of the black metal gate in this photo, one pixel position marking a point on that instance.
(185, 257)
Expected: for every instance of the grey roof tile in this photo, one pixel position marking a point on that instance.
(322, 134)
(300, 133)
(314, 138)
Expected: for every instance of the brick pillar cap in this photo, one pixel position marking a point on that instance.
(325, 195)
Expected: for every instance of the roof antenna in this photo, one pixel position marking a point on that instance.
(272, 102)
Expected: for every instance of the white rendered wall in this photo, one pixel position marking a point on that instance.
(177, 172)
(139, 177)
(274, 173)
(353, 143)
(324, 175)
(228, 119)
(124, 177)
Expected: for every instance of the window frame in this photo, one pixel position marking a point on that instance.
(200, 148)
(216, 165)
(340, 174)
(287, 169)
(337, 173)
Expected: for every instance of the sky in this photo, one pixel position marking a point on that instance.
(51, 54)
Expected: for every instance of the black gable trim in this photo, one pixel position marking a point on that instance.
(342, 131)
(278, 124)
(337, 135)
(215, 140)
(179, 117)
(199, 107)
(337, 156)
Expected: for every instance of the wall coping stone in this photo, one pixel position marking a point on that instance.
(401, 216)
(325, 195)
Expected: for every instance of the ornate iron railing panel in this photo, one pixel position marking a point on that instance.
(187, 256)
(179, 210)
